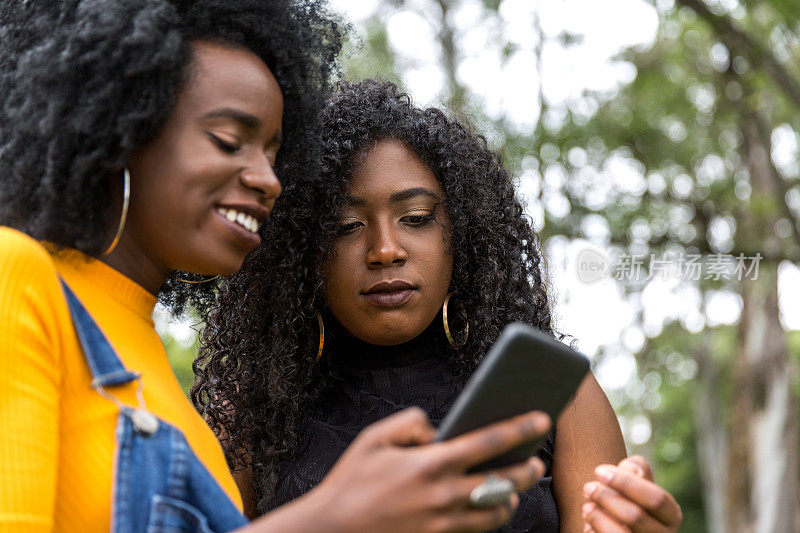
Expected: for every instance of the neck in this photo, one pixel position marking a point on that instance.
(135, 264)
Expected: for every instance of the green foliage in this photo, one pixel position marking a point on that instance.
(181, 357)
(373, 57)
(667, 371)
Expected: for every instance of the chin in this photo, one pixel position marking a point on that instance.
(232, 268)
(221, 266)
(229, 270)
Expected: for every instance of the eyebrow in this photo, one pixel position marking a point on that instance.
(400, 196)
(248, 121)
(412, 193)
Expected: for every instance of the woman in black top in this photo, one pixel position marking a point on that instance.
(411, 213)
(370, 382)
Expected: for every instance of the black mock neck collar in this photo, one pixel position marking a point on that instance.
(348, 351)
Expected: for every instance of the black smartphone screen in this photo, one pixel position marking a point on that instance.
(525, 370)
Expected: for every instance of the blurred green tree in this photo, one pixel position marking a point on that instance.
(698, 123)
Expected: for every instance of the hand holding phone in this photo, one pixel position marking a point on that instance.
(525, 370)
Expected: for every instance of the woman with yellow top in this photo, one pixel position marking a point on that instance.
(142, 143)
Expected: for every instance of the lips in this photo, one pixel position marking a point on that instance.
(243, 220)
(389, 293)
(257, 212)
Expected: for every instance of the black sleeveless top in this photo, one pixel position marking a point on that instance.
(372, 382)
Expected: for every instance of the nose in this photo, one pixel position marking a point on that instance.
(261, 177)
(385, 249)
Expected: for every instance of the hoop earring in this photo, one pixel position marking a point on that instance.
(212, 278)
(447, 333)
(126, 200)
(321, 335)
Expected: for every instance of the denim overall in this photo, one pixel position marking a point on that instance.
(159, 484)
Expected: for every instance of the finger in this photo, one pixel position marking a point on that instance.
(638, 465)
(523, 476)
(495, 439)
(655, 500)
(408, 427)
(598, 520)
(471, 519)
(621, 509)
(632, 467)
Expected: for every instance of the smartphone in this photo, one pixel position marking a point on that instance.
(525, 370)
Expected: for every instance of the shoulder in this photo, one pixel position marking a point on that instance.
(589, 413)
(587, 432)
(30, 295)
(22, 255)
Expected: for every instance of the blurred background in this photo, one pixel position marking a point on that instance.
(655, 147)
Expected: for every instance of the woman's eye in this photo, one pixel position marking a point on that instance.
(346, 228)
(222, 144)
(418, 220)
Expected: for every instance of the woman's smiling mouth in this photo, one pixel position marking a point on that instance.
(389, 293)
(243, 219)
(243, 222)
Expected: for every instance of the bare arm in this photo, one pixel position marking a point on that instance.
(620, 495)
(587, 435)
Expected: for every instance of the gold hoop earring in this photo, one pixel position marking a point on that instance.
(126, 200)
(212, 278)
(447, 333)
(321, 334)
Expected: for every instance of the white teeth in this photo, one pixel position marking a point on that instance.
(243, 219)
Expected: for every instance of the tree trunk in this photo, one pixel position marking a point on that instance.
(712, 441)
(763, 468)
(457, 92)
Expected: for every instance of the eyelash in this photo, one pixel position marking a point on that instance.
(231, 149)
(347, 229)
(415, 221)
(418, 221)
(226, 147)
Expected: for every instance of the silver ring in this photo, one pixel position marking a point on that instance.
(492, 492)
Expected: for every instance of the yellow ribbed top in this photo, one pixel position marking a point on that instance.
(56, 433)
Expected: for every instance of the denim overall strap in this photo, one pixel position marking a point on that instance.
(162, 487)
(106, 368)
(159, 484)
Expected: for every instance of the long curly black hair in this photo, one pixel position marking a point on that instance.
(85, 83)
(257, 370)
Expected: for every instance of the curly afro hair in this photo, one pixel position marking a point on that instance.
(257, 370)
(85, 83)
